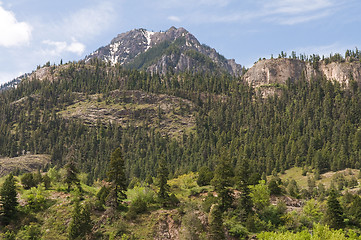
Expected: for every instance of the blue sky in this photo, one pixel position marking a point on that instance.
(33, 32)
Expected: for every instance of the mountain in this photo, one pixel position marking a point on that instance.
(72, 118)
(175, 49)
(13, 83)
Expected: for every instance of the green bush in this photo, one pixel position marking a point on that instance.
(205, 176)
(149, 180)
(173, 200)
(273, 187)
(236, 229)
(208, 202)
(139, 205)
(36, 199)
(191, 226)
(27, 180)
(8, 236)
(103, 194)
(133, 183)
(30, 232)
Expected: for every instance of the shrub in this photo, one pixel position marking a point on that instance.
(138, 205)
(273, 187)
(8, 236)
(149, 180)
(27, 180)
(204, 176)
(173, 200)
(30, 232)
(236, 229)
(191, 226)
(208, 202)
(47, 181)
(36, 199)
(103, 194)
(133, 183)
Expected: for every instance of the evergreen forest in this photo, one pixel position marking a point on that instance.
(229, 175)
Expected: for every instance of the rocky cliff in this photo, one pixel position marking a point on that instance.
(278, 71)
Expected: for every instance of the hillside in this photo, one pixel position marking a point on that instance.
(48, 210)
(171, 115)
(169, 144)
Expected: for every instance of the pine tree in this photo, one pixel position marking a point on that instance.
(216, 231)
(80, 224)
(163, 194)
(245, 201)
(273, 187)
(222, 180)
(47, 181)
(149, 180)
(204, 176)
(355, 211)
(71, 175)
(8, 199)
(116, 174)
(334, 213)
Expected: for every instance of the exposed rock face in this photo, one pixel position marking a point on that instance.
(166, 227)
(174, 49)
(342, 72)
(279, 70)
(173, 115)
(276, 71)
(25, 163)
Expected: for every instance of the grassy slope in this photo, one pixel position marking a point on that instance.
(296, 174)
(53, 219)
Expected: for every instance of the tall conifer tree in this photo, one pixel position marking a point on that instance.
(116, 174)
(8, 199)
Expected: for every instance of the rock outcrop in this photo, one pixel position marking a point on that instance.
(278, 71)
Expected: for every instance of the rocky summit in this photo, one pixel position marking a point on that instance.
(174, 50)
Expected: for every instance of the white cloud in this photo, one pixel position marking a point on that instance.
(297, 6)
(57, 48)
(13, 33)
(283, 12)
(325, 50)
(90, 21)
(220, 3)
(292, 20)
(174, 19)
(192, 3)
(290, 12)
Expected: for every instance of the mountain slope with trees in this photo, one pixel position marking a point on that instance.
(160, 128)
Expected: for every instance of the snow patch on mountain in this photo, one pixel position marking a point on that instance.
(148, 35)
(113, 58)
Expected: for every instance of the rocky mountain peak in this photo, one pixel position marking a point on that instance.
(175, 49)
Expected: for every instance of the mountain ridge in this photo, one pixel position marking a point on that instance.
(175, 49)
